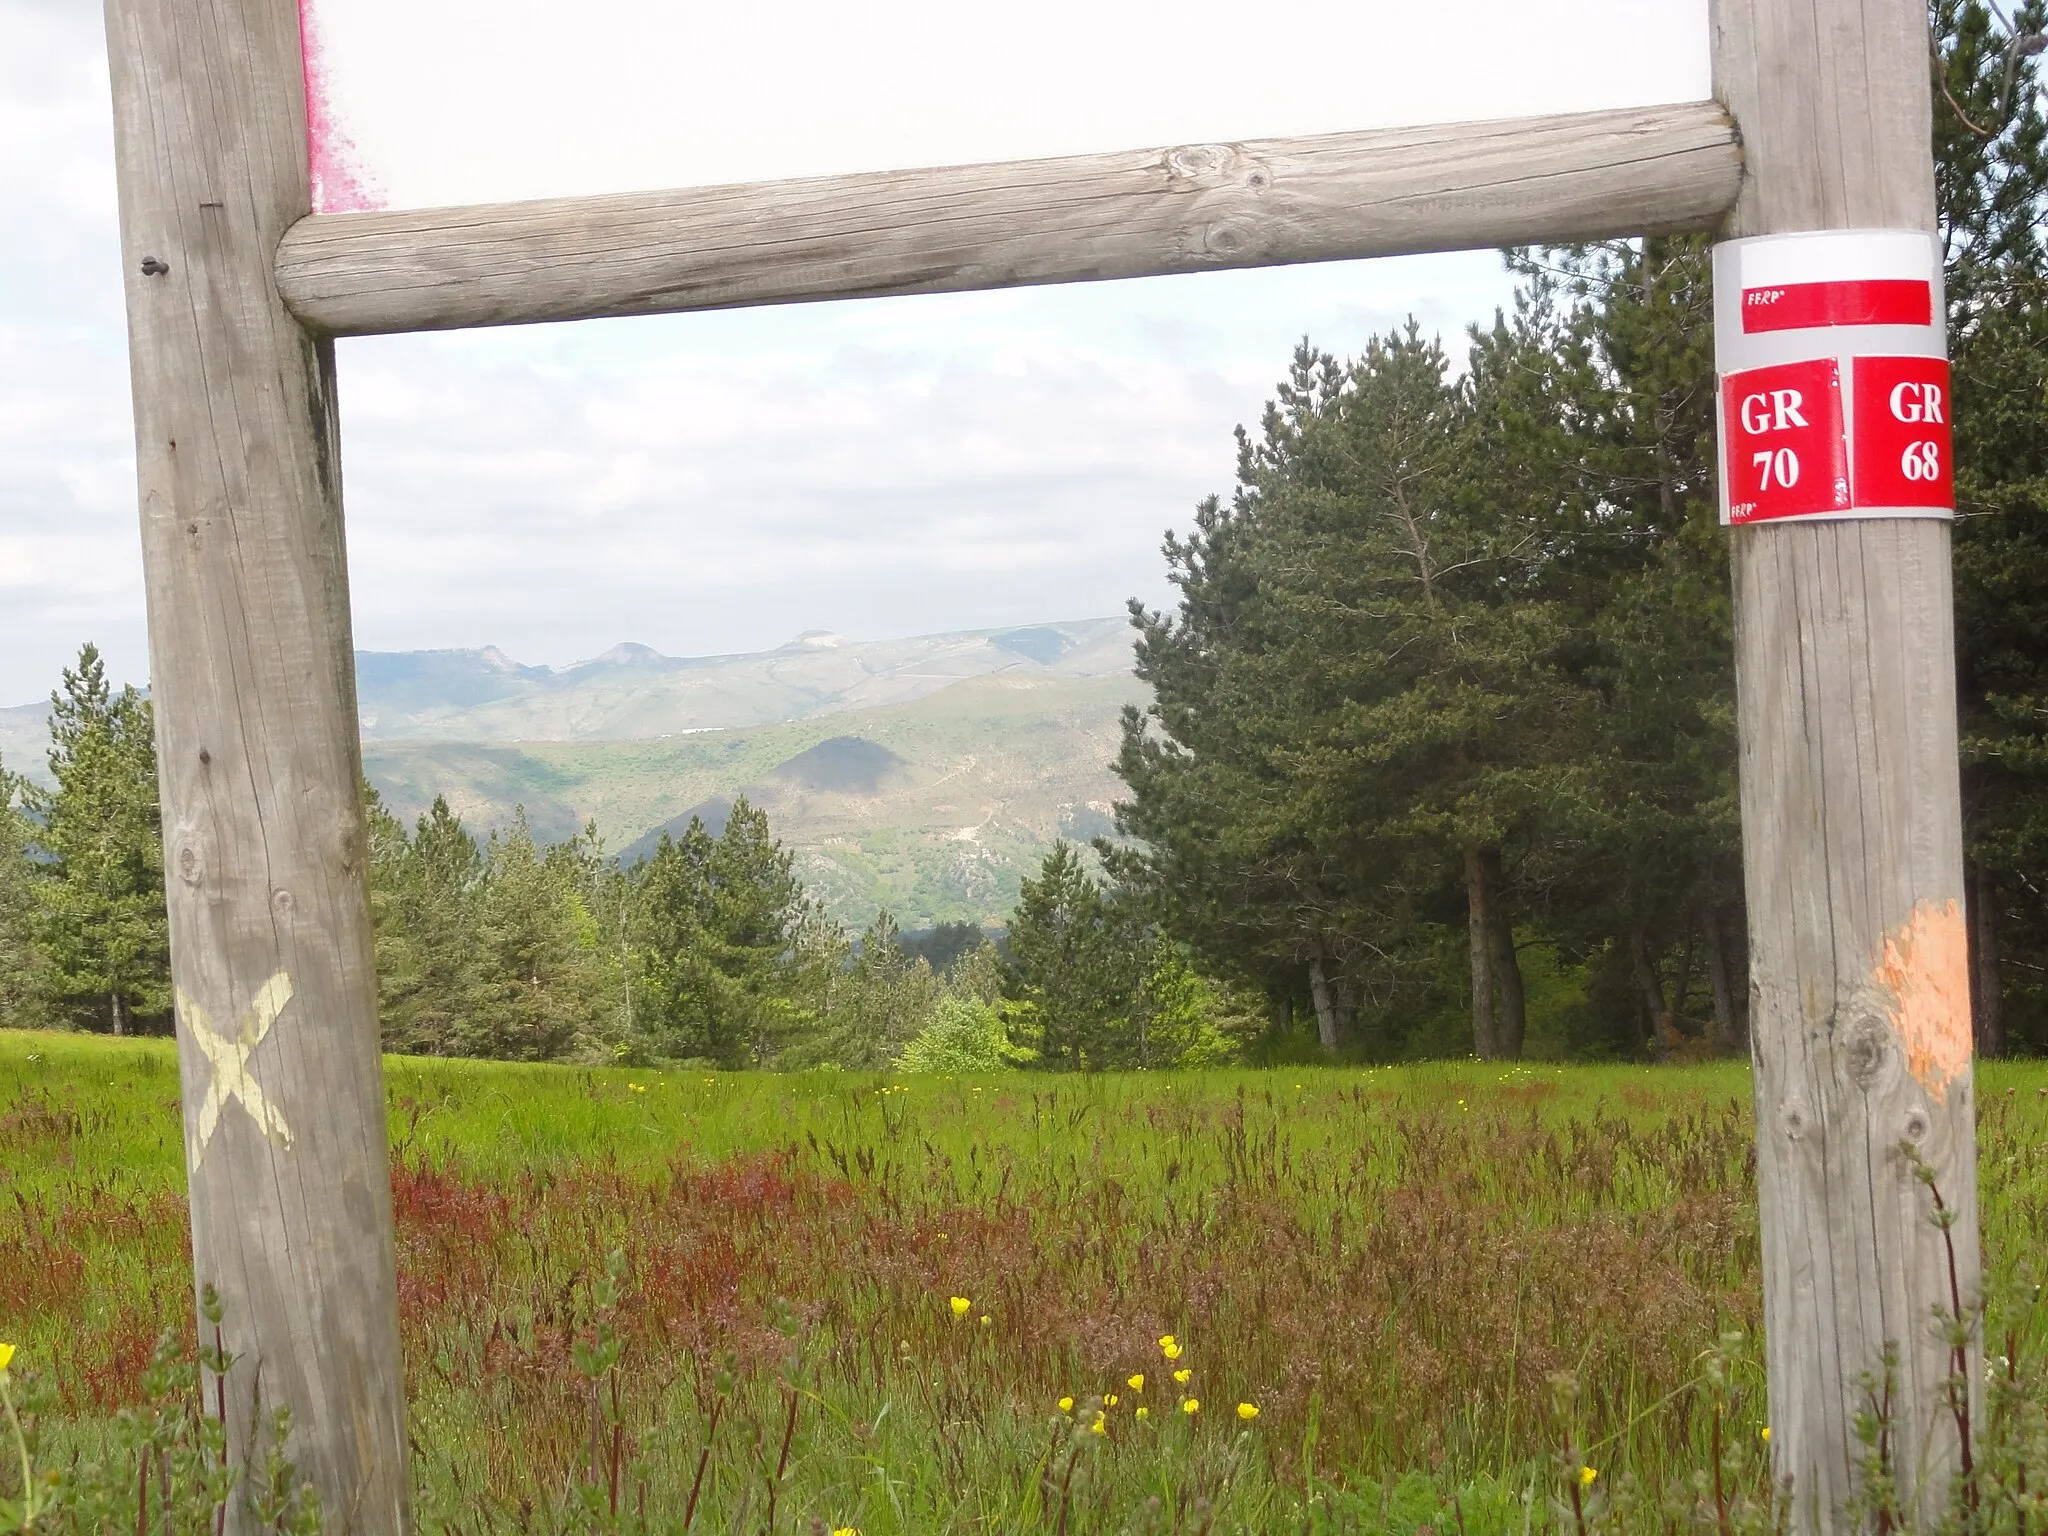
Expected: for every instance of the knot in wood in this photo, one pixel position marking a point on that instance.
(349, 842)
(1917, 1125)
(191, 865)
(1866, 1047)
(1230, 239)
(1204, 164)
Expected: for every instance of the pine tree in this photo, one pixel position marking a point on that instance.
(1356, 702)
(1604, 383)
(1991, 180)
(425, 895)
(717, 926)
(881, 999)
(21, 980)
(100, 921)
(1077, 968)
(536, 994)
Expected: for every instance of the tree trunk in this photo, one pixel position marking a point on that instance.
(1512, 1023)
(1727, 1036)
(1987, 1001)
(1346, 991)
(114, 1010)
(1327, 1023)
(1662, 1028)
(1479, 938)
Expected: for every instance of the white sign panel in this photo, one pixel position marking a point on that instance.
(1833, 356)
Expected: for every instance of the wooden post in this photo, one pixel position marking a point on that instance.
(1852, 831)
(253, 679)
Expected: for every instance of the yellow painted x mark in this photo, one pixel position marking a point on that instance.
(230, 1054)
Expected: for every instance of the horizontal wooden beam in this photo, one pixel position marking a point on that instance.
(1080, 218)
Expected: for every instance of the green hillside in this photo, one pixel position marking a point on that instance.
(633, 691)
(935, 808)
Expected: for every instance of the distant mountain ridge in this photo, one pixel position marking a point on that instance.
(633, 693)
(926, 775)
(936, 809)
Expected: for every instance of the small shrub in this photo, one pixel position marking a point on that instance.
(964, 1036)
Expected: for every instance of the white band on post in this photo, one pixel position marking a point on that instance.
(1834, 390)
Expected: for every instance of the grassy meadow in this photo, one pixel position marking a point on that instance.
(1390, 1265)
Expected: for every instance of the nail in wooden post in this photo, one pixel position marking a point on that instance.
(1852, 833)
(252, 671)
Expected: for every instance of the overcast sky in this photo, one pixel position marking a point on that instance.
(707, 483)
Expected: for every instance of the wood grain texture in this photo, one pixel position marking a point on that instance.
(1188, 209)
(1852, 832)
(251, 662)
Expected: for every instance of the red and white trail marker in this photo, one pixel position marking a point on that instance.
(1833, 358)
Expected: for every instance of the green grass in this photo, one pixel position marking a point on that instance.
(1390, 1263)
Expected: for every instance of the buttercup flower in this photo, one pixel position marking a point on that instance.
(1066, 1405)
(846, 1530)
(1765, 1432)
(1170, 1347)
(1100, 1426)
(1136, 1383)
(1144, 1412)
(1182, 1375)
(1587, 1475)
(6, 1357)
(985, 1320)
(1109, 1400)
(1247, 1411)
(960, 1305)
(1191, 1406)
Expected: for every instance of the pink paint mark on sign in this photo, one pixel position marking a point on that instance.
(334, 165)
(1926, 969)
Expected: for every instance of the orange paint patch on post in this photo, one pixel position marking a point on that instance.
(1926, 969)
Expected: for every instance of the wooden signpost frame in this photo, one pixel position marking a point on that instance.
(236, 290)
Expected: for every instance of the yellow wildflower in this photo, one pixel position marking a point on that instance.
(1170, 1347)
(846, 1530)
(6, 1357)
(1101, 1425)
(1191, 1406)
(1136, 1383)
(1247, 1411)
(1765, 1431)
(1166, 1341)
(1066, 1405)
(985, 1320)
(1144, 1412)
(960, 1305)
(1587, 1476)
(1182, 1375)
(1109, 1400)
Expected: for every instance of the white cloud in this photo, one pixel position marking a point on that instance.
(718, 482)
(471, 100)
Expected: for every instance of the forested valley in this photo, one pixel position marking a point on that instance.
(1441, 758)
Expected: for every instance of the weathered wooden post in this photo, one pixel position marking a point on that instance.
(1850, 809)
(253, 677)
